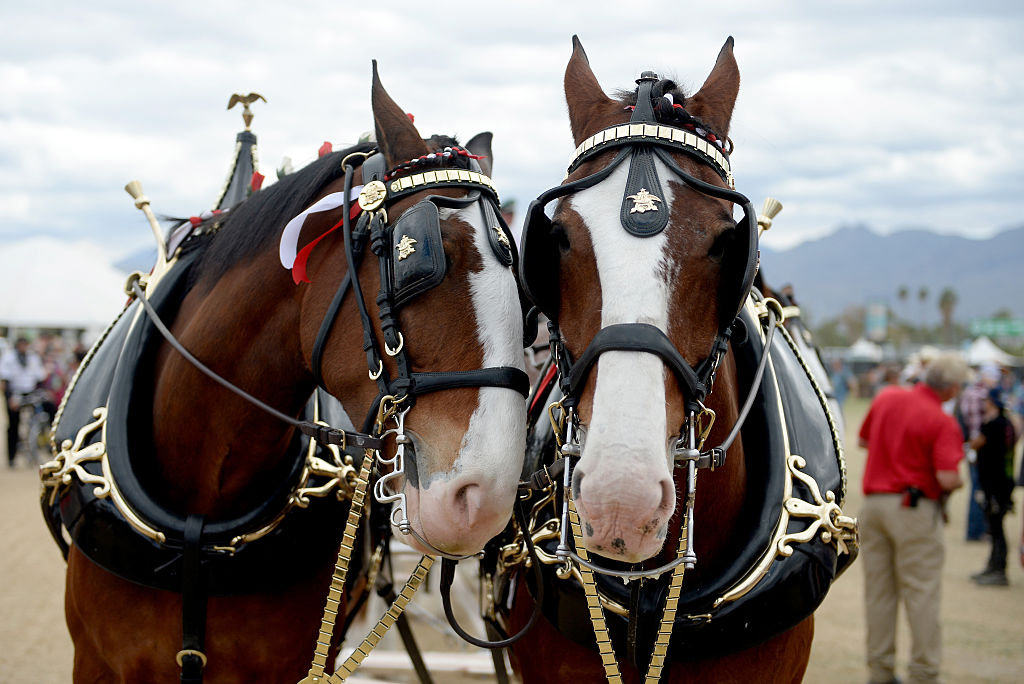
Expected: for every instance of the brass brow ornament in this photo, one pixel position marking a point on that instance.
(502, 238)
(405, 247)
(643, 201)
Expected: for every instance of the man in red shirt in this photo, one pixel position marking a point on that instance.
(914, 449)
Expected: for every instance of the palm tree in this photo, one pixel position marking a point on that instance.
(902, 294)
(922, 296)
(947, 302)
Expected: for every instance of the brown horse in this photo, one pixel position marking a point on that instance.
(448, 317)
(643, 272)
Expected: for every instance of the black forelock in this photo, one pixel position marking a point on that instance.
(663, 87)
(663, 110)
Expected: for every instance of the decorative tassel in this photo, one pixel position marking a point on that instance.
(770, 210)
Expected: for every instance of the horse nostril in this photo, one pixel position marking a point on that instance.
(577, 484)
(668, 495)
(468, 502)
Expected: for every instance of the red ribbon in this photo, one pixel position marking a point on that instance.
(299, 267)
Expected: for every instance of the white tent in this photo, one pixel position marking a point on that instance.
(984, 351)
(864, 350)
(50, 283)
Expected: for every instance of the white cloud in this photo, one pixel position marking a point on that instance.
(888, 114)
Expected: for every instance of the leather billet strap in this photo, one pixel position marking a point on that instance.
(191, 658)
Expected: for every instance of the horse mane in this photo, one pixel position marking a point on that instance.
(259, 219)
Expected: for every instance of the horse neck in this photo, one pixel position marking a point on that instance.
(217, 453)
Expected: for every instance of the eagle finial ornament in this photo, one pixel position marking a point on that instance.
(246, 100)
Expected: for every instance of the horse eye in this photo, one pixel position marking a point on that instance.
(560, 237)
(721, 244)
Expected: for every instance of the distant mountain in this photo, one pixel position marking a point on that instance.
(855, 265)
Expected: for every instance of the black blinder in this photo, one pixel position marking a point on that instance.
(539, 261)
(739, 265)
(417, 252)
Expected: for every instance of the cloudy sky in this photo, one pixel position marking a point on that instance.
(890, 114)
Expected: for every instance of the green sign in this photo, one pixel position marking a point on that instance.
(998, 327)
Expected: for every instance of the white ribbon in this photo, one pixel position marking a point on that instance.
(289, 247)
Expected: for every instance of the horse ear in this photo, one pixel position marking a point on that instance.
(397, 137)
(715, 100)
(480, 145)
(590, 110)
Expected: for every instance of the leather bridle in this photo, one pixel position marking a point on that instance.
(643, 140)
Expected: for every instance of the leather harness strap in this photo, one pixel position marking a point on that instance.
(191, 658)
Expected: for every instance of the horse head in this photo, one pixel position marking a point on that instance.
(643, 269)
(448, 308)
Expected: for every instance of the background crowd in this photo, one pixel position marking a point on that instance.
(933, 426)
(34, 374)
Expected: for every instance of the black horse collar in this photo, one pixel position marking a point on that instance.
(94, 488)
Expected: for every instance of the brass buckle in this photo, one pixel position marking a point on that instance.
(380, 369)
(401, 345)
(704, 430)
(557, 424)
(179, 657)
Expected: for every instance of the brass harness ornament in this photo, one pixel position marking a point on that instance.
(643, 201)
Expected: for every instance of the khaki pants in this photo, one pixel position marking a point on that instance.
(901, 552)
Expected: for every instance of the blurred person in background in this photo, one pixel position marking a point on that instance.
(21, 371)
(994, 446)
(913, 452)
(971, 411)
(843, 382)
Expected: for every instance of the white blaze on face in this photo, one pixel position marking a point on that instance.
(624, 464)
(473, 500)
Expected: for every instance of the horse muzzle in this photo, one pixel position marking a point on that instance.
(624, 509)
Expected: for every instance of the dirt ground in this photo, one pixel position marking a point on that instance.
(983, 631)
